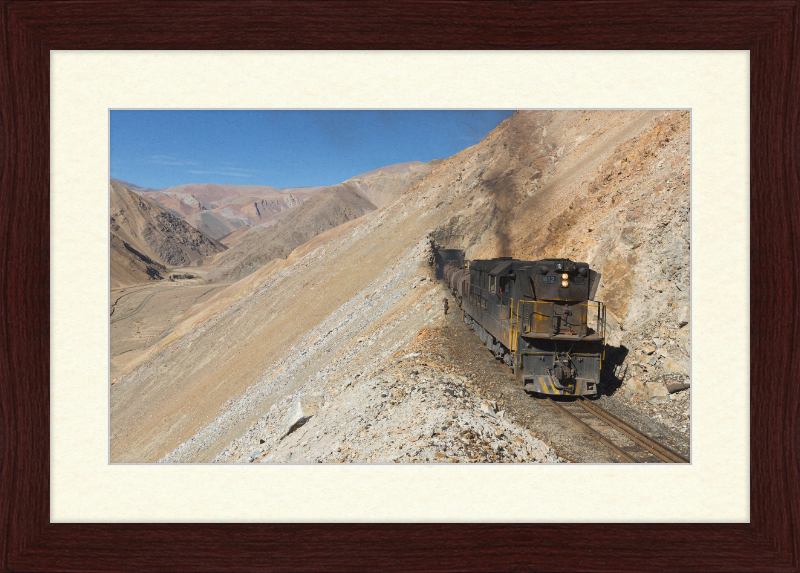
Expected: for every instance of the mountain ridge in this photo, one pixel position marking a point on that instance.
(146, 239)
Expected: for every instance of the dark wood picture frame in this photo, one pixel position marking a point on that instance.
(770, 30)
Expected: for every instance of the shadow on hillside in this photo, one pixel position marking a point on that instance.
(441, 256)
(612, 373)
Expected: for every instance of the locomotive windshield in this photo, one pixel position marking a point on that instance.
(504, 286)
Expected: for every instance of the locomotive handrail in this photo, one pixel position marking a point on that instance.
(479, 295)
(600, 319)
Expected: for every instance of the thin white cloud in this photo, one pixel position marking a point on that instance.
(230, 167)
(226, 169)
(228, 173)
(169, 160)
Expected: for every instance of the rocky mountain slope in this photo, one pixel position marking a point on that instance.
(329, 208)
(336, 327)
(383, 185)
(145, 239)
(130, 267)
(180, 205)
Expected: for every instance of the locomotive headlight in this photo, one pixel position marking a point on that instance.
(565, 276)
(564, 283)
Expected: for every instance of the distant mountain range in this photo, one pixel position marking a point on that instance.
(224, 208)
(328, 208)
(268, 222)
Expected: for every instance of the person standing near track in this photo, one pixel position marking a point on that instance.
(446, 305)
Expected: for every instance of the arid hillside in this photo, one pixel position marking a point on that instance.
(334, 206)
(218, 210)
(329, 208)
(384, 185)
(145, 239)
(130, 267)
(213, 192)
(214, 224)
(350, 320)
(134, 187)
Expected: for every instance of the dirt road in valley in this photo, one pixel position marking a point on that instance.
(141, 315)
(138, 308)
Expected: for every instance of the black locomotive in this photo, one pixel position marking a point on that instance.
(538, 316)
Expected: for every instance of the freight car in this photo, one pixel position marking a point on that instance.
(538, 317)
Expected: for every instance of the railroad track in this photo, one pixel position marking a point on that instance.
(631, 444)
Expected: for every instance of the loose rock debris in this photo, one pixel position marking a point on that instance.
(431, 414)
(372, 382)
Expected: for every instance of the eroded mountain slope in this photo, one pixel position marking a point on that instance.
(145, 239)
(130, 267)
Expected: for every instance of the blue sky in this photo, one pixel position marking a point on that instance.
(283, 148)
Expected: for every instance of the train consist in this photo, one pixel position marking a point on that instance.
(538, 317)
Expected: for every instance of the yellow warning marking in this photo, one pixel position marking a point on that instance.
(543, 384)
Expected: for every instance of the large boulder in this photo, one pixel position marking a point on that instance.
(633, 387)
(672, 365)
(636, 385)
(656, 392)
(677, 387)
(301, 412)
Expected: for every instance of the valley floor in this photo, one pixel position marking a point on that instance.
(141, 315)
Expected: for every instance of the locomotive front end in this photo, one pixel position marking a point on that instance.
(566, 369)
(560, 330)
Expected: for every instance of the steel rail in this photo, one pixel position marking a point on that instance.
(594, 432)
(660, 451)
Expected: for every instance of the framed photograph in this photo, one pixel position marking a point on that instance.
(391, 517)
